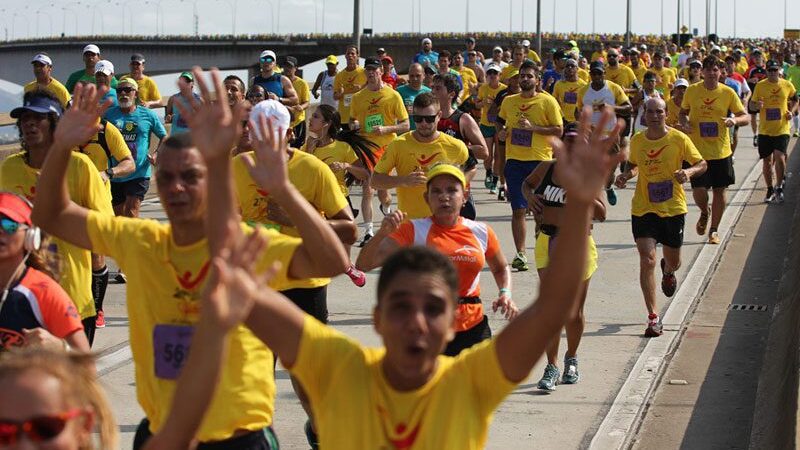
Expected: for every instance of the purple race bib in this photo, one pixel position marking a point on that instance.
(523, 138)
(772, 114)
(170, 349)
(571, 98)
(709, 129)
(660, 192)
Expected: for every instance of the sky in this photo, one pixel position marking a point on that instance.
(40, 18)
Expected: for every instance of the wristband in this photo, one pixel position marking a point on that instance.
(505, 291)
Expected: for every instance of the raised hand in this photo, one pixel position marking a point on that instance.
(392, 222)
(583, 167)
(268, 169)
(214, 127)
(81, 121)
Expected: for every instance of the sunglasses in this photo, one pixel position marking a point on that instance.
(419, 118)
(267, 60)
(772, 70)
(37, 429)
(126, 90)
(9, 226)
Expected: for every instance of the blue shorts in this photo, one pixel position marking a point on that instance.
(516, 172)
(488, 131)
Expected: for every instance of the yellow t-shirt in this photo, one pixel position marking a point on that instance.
(541, 110)
(316, 183)
(742, 66)
(469, 79)
(665, 78)
(707, 113)
(165, 281)
(584, 75)
(352, 81)
(355, 407)
(622, 75)
(405, 154)
(116, 146)
(54, 87)
(566, 94)
(85, 188)
(303, 96)
(772, 117)
(377, 108)
(487, 94)
(148, 89)
(639, 72)
(673, 113)
(533, 56)
(657, 191)
(336, 151)
(599, 55)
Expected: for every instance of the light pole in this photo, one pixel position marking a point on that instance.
(594, 5)
(678, 32)
(554, 16)
(539, 27)
(708, 18)
(628, 24)
(466, 21)
(662, 17)
(510, 14)
(576, 16)
(356, 24)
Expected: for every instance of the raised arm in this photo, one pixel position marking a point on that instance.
(53, 211)
(380, 246)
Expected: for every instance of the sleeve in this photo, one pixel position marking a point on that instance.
(281, 248)
(158, 127)
(330, 198)
(387, 161)
(304, 93)
(337, 82)
(404, 236)
(756, 93)
(156, 94)
(399, 108)
(463, 152)
(503, 113)
(95, 194)
(581, 93)
(554, 113)
(736, 104)
(60, 316)
(71, 81)
(619, 95)
(492, 243)
(62, 94)
(634, 151)
(481, 365)
(349, 155)
(110, 234)
(685, 102)
(690, 152)
(116, 144)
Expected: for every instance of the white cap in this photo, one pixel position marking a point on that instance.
(497, 48)
(494, 67)
(271, 109)
(427, 41)
(92, 48)
(104, 66)
(269, 53)
(680, 82)
(526, 43)
(42, 58)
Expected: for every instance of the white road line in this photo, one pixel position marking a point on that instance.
(629, 405)
(113, 360)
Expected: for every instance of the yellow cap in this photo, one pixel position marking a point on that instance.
(511, 73)
(331, 59)
(130, 81)
(446, 169)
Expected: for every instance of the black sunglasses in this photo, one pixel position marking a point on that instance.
(126, 90)
(419, 118)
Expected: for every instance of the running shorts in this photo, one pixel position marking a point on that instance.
(720, 174)
(667, 231)
(543, 247)
(120, 190)
(769, 144)
(313, 301)
(516, 172)
(488, 131)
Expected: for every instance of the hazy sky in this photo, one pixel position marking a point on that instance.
(38, 17)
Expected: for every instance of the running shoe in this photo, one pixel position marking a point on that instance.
(770, 195)
(571, 375)
(356, 276)
(713, 237)
(487, 182)
(385, 209)
(549, 379)
(779, 195)
(501, 194)
(311, 437)
(669, 283)
(702, 222)
(493, 189)
(755, 141)
(364, 240)
(100, 321)
(796, 134)
(612, 196)
(120, 278)
(520, 262)
(654, 326)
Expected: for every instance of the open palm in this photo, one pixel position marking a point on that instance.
(82, 121)
(268, 169)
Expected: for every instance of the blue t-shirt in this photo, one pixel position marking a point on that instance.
(271, 83)
(550, 74)
(408, 94)
(179, 124)
(136, 128)
(427, 59)
(112, 94)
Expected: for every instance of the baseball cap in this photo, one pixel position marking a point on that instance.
(429, 70)
(104, 66)
(291, 61)
(446, 169)
(267, 54)
(380, 50)
(497, 49)
(137, 57)
(332, 59)
(757, 52)
(128, 80)
(695, 62)
(513, 72)
(643, 47)
(15, 208)
(612, 51)
(681, 82)
(471, 40)
(38, 104)
(187, 75)
(92, 48)
(597, 66)
(42, 58)
(772, 64)
(427, 41)
(271, 109)
(559, 54)
(525, 43)
(493, 68)
(387, 58)
(570, 62)
(573, 43)
(371, 63)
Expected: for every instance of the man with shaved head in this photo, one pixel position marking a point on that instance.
(658, 208)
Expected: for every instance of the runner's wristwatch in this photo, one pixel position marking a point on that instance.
(110, 173)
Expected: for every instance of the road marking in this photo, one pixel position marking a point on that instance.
(626, 412)
(113, 360)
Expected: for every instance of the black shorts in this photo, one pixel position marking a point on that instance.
(255, 440)
(467, 338)
(769, 144)
(751, 111)
(314, 301)
(666, 231)
(720, 174)
(120, 190)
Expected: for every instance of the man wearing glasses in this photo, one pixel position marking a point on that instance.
(277, 86)
(148, 94)
(136, 124)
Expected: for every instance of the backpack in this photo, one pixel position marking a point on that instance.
(101, 140)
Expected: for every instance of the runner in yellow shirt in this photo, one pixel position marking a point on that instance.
(637, 66)
(43, 72)
(347, 82)
(529, 52)
(620, 73)
(469, 78)
(486, 95)
(665, 76)
(167, 264)
(148, 95)
(674, 103)
(566, 91)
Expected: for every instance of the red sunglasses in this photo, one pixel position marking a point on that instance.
(38, 429)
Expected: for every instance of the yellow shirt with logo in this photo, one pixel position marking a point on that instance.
(772, 117)
(540, 110)
(164, 285)
(665, 78)
(303, 96)
(376, 108)
(54, 87)
(355, 407)
(487, 94)
(406, 154)
(469, 79)
(657, 191)
(622, 75)
(707, 112)
(148, 89)
(116, 146)
(566, 94)
(316, 183)
(336, 151)
(86, 188)
(351, 81)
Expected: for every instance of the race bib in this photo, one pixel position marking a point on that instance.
(170, 349)
(372, 121)
(772, 114)
(347, 99)
(571, 98)
(491, 118)
(523, 138)
(660, 192)
(709, 129)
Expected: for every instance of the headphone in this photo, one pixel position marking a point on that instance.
(33, 235)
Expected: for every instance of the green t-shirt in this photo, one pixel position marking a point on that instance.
(80, 75)
(793, 75)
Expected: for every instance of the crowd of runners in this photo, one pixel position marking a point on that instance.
(255, 182)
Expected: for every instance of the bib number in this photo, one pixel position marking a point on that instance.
(773, 114)
(660, 192)
(170, 349)
(522, 138)
(709, 129)
(571, 98)
(347, 99)
(372, 121)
